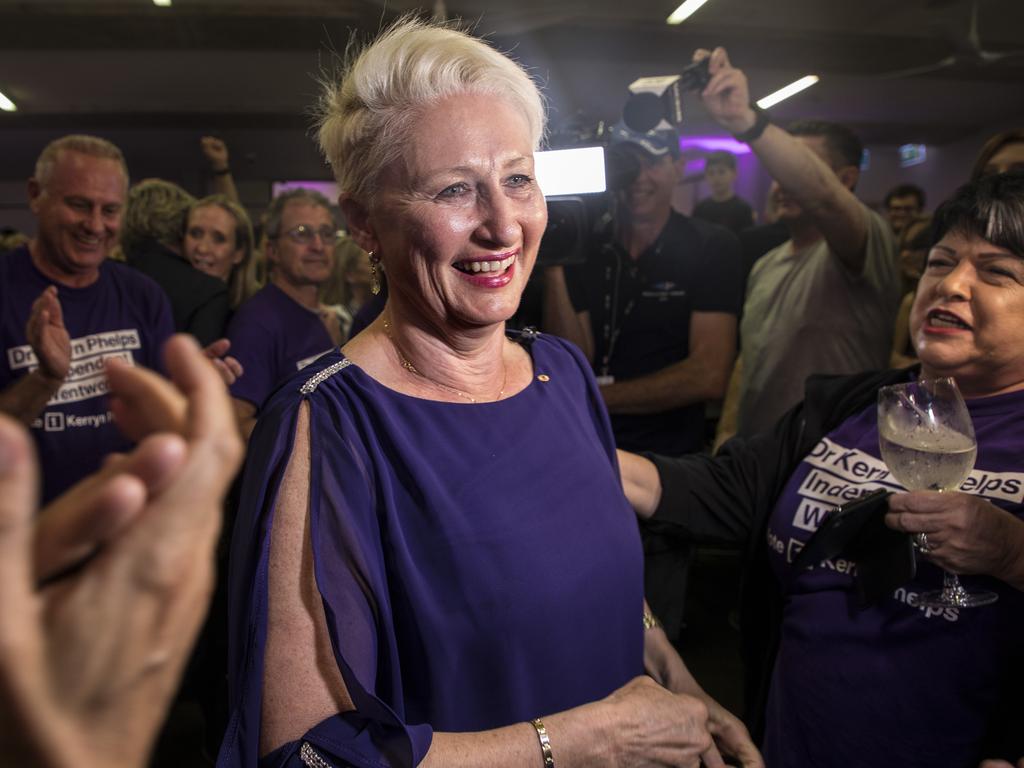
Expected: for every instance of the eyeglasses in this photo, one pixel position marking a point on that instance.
(304, 235)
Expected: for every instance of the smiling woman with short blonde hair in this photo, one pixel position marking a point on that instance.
(434, 562)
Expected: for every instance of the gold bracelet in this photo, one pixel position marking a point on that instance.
(545, 742)
(650, 620)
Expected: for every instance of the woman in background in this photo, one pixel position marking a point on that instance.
(350, 284)
(219, 242)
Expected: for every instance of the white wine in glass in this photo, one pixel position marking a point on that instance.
(927, 441)
(927, 460)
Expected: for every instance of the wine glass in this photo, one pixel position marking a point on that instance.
(927, 441)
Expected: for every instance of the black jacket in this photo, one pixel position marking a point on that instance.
(199, 302)
(728, 499)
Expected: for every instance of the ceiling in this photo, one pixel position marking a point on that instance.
(127, 63)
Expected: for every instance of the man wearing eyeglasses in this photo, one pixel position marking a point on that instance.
(903, 204)
(284, 328)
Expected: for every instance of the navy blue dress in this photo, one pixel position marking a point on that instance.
(478, 563)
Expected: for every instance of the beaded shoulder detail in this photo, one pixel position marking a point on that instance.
(319, 378)
(310, 756)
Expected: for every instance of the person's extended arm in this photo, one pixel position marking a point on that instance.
(26, 398)
(89, 664)
(641, 482)
(663, 663)
(560, 316)
(640, 724)
(713, 500)
(804, 176)
(702, 376)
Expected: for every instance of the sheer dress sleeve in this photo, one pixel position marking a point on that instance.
(351, 575)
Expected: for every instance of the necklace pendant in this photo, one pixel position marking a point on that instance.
(407, 364)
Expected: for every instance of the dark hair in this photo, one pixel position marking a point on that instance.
(992, 146)
(917, 236)
(904, 190)
(843, 145)
(723, 158)
(991, 208)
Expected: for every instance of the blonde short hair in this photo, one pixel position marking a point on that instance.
(93, 146)
(156, 210)
(366, 118)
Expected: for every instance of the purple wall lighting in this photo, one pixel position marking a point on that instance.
(712, 144)
(328, 189)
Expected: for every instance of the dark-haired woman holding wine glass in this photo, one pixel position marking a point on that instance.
(902, 681)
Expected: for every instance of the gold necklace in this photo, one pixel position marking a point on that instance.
(407, 364)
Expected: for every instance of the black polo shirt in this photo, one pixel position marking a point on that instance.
(640, 316)
(735, 214)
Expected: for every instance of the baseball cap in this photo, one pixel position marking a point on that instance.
(653, 143)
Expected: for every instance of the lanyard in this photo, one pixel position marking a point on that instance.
(613, 324)
(612, 329)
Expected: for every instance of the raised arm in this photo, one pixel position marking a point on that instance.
(216, 153)
(823, 192)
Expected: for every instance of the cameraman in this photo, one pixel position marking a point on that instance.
(654, 309)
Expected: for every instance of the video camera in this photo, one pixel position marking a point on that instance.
(576, 205)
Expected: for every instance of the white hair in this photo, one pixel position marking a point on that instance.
(365, 119)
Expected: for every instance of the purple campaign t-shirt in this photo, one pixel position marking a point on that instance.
(123, 314)
(273, 336)
(896, 683)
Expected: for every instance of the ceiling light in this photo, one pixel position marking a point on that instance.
(685, 11)
(162, 3)
(784, 93)
(6, 104)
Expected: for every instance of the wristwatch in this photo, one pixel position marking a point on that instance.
(761, 121)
